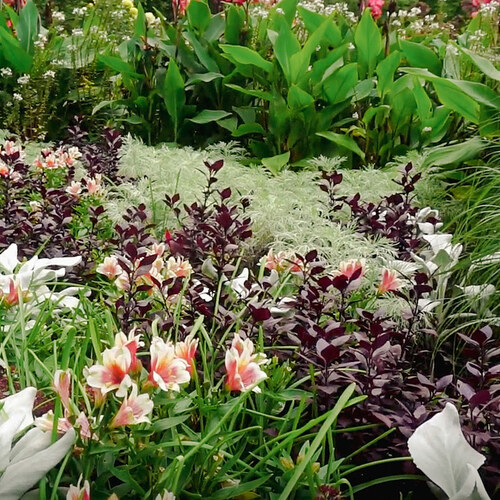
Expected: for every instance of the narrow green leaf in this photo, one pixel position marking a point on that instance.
(174, 94)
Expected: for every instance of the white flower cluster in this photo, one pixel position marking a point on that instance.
(489, 9)
(5, 72)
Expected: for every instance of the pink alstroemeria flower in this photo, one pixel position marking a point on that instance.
(353, 270)
(74, 189)
(132, 343)
(167, 370)
(177, 267)
(113, 373)
(110, 268)
(62, 384)
(390, 282)
(134, 409)
(79, 493)
(243, 367)
(187, 350)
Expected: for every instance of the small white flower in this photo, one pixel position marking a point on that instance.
(17, 97)
(77, 32)
(355, 115)
(351, 46)
(58, 16)
(23, 80)
(49, 74)
(426, 130)
(5, 72)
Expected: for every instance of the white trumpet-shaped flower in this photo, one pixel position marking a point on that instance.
(21, 280)
(440, 450)
(34, 454)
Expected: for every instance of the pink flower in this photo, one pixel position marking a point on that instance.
(353, 270)
(132, 343)
(83, 423)
(46, 423)
(167, 370)
(62, 384)
(93, 184)
(79, 493)
(110, 268)
(180, 6)
(376, 7)
(113, 373)
(74, 189)
(283, 261)
(186, 350)
(134, 409)
(4, 169)
(243, 367)
(390, 282)
(178, 268)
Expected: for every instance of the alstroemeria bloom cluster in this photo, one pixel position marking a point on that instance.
(283, 261)
(91, 186)
(73, 418)
(159, 269)
(60, 158)
(171, 366)
(243, 366)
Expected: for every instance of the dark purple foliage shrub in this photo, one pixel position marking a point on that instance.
(39, 212)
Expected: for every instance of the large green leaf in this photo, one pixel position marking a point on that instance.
(420, 56)
(368, 42)
(209, 115)
(299, 62)
(483, 64)
(119, 65)
(27, 26)
(174, 95)
(259, 94)
(18, 58)
(338, 86)
(140, 25)
(344, 141)
(385, 71)
(450, 94)
(248, 128)
(245, 55)
(276, 163)
(198, 14)
(457, 100)
(285, 46)
(456, 153)
(299, 99)
(313, 20)
(235, 20)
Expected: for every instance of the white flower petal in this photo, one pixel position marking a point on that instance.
(440, 450)
(21, 476)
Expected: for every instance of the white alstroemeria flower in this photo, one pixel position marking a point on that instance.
(34, 274)
(24, 464)
(440, 450)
